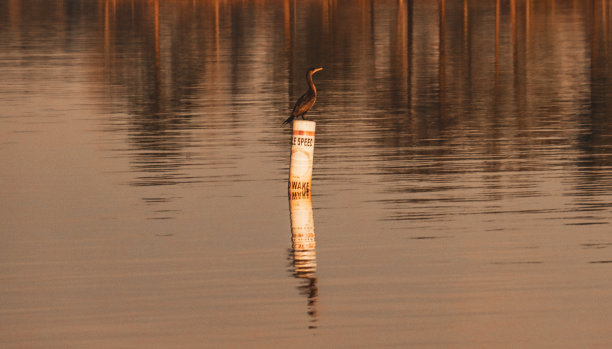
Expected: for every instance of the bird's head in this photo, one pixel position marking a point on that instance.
(314, 70)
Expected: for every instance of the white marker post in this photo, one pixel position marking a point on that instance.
(302, 155)
(300, 180)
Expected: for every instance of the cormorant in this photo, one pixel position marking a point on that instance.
(303, 105)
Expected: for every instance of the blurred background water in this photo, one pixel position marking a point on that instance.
(462, 193)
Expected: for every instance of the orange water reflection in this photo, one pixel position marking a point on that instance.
(303, 255)
(463, 173)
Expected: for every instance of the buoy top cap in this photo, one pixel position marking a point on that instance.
(304, 125)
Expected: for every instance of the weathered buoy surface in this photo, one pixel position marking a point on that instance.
(300, 202)
(302, 156)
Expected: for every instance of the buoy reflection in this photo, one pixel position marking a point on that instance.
(303, 254)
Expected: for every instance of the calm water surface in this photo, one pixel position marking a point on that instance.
(462, 193)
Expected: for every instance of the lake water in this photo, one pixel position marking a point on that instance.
(462, 187)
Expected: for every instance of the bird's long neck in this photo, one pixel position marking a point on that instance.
(311, 83)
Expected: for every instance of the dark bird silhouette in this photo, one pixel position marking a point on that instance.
(308, 99)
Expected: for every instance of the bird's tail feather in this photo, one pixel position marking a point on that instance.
(288, 120)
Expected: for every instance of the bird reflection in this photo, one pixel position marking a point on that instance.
(302, 255)
(308, 99)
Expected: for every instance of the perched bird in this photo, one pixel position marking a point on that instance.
(303, 105)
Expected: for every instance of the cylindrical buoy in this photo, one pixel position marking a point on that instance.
(302, 155)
